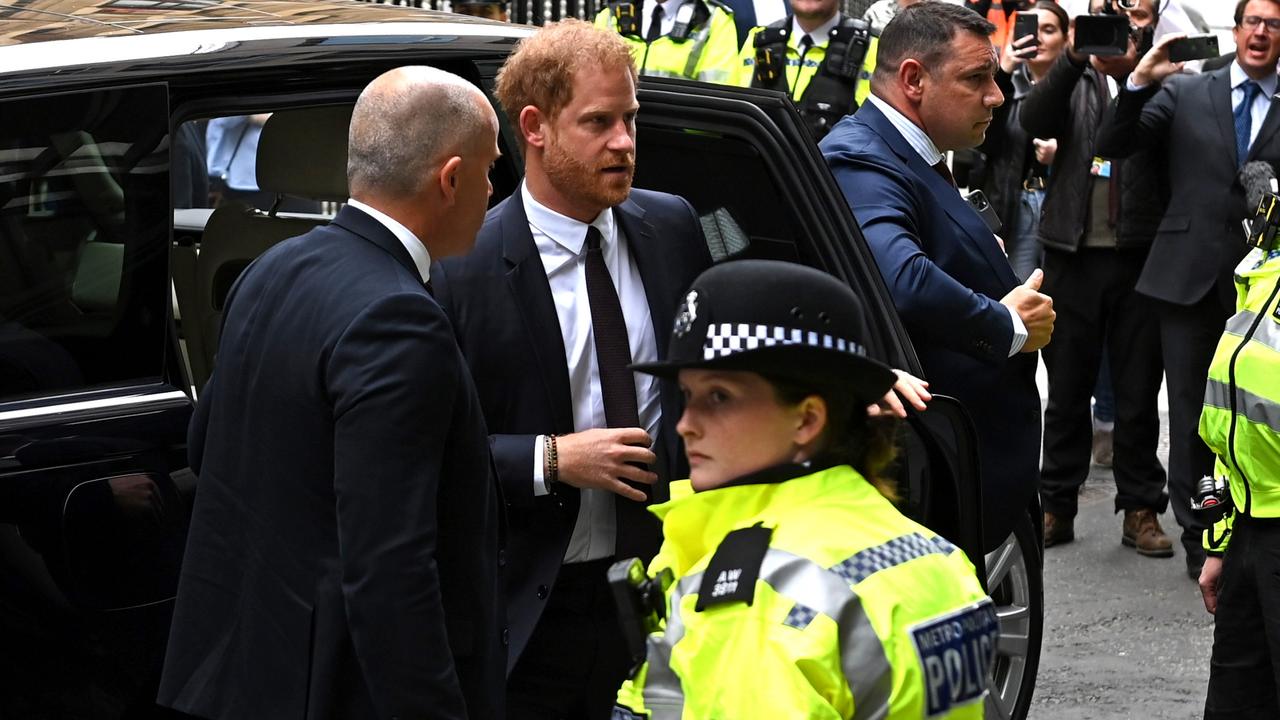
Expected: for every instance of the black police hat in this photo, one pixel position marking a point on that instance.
(775, 318)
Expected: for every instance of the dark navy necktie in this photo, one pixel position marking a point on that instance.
(637, 533)
(613, 349)
(1243, 116)
(655, 24)
(945, 172)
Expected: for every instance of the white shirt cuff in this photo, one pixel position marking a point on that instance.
(1019, 332)
(539, 482)
(1130, 86)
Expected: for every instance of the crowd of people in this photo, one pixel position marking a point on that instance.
(380, 557)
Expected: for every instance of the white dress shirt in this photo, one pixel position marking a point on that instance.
(820, 34)
(669, 10)
(561, 243)
(924, 147)
(417, 251)
(1261, 101)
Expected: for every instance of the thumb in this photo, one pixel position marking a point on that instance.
(1033, 282)
(1040, 144)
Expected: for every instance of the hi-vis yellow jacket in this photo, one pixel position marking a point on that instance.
(856, 611)
(802, 66)
(709, 52)
(1240, 421)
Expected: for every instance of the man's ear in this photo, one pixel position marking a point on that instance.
(448, 179)
(911, 75)
(533, 126)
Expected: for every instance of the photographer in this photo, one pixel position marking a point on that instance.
(1206, 126)
(1015, 165)
(1097, 225)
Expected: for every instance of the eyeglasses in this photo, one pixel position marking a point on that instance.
(1252, 21)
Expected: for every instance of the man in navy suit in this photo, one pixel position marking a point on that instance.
(573, 278)
(343, 555)
(976, 330)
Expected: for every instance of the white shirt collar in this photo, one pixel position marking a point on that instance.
(417, 251)
(1238, 75)
(820, 34)
(568, 233)
(670, 8)
(916, 137)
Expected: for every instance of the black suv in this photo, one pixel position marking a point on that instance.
(114, 264)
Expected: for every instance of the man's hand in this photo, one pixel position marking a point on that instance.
(597, 458)
(137, 497)
(1046, 150)
(1155, 65)
(1018, 51)
(1035, 309)
(911, 388)
(1209, 575)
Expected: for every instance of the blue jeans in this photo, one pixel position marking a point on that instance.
(1024, 246)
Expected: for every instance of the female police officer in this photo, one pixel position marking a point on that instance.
(797, 589)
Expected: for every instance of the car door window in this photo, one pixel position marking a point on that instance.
(83, 199)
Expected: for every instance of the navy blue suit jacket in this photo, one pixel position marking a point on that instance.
(343, 553)
(500, 302)
(946, 274)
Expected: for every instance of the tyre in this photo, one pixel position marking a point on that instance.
(1016, 583)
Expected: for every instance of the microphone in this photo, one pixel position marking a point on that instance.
(1257, 178)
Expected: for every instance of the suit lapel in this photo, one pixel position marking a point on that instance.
(363, 225)
(1270, 125)
(648, 251)
(527, 281)
(946, 196)
(1220, 99)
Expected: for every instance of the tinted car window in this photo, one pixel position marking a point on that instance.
(83, 198)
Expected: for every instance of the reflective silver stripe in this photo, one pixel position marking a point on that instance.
(663, 696)
(713, 76)
(1267, 334)
(695, 54)
(866, 668)
(1255, 408)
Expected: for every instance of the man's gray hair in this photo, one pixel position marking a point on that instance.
(407, 121)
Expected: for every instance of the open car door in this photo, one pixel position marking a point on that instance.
(746, 162)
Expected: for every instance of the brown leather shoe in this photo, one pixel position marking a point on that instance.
(1058, 530)
(1143, 533)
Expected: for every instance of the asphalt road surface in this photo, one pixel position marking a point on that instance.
(1125, 636)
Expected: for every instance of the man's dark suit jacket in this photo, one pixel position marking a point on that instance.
(343, 551)
(946, 274)
(500, 302)
(1199, 242)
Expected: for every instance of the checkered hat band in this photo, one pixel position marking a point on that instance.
(725, 339)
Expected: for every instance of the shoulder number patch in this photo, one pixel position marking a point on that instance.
(731, 575)
(956, 651)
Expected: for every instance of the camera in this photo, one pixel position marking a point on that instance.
(641, 602)
(1212, 499)
(1108, 32)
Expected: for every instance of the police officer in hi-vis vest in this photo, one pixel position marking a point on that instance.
(820, 57)
(693, 39)
(790, 585)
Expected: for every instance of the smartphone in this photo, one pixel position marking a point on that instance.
(978, 201)
(1193, 47)
(1102, 35)
(1027, 22)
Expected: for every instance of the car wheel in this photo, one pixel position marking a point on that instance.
(1015, 580)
